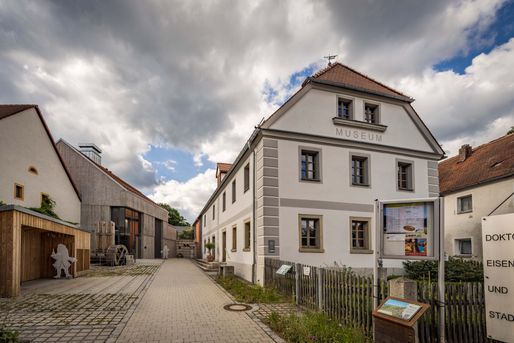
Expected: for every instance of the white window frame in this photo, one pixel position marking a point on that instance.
(457, 250)
(459, 203)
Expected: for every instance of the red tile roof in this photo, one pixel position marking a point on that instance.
(223, 167)
(341, 74)
(487, 162)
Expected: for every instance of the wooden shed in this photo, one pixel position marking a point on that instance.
(27, 239)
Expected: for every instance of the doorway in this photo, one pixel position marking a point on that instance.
(158, 238)
(224, 247)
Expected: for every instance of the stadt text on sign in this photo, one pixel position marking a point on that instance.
(498, 251)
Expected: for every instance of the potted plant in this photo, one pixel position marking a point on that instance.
(209, 247)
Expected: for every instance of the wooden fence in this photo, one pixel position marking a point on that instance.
(348, 298)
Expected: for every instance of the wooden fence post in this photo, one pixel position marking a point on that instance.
(320, 288)
(297, 279)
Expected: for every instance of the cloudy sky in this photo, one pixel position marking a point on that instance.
(168, 88)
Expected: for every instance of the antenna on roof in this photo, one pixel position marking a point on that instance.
(330, 58)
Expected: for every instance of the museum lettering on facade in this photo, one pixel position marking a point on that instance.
(358, 134)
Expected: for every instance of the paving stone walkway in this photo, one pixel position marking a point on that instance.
(182, 304)
(93, 308)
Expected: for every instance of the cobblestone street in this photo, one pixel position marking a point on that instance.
(184, 305)
(151, 301)
(92, 308)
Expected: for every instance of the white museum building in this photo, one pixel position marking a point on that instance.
(302, 188)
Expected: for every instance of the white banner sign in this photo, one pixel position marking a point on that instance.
(498, 250)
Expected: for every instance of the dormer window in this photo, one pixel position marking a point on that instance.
(344, 108)
(371, 113)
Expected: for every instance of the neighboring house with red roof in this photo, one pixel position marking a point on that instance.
(303, 186)
(478, 182)
(222, 170)
(140, 224)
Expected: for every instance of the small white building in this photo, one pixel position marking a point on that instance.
(32, 173)
(302, 188)
(476, 183)
(30, 165)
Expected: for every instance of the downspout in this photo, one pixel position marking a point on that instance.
(254, 209)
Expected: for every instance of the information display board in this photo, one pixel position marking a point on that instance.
(395, 320)
(498, 252)
(401, 311)
(410, 229)
(284, 269)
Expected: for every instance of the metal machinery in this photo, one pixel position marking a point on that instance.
(105, 250)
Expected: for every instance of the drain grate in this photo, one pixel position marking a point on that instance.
(237, 307)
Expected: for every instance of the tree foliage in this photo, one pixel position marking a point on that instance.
(186, 233)
(209, 246)
(511, 130)
(174, 216)
(456, 269)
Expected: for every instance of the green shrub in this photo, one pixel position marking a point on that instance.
(456, 270)
(8, 336)
(246, 292)
(2, 203)
(47, 207)
(313, 327)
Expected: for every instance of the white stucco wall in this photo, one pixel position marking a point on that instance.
(25, 143)
(278, 185)
(336, 187)
(313, 114)
(235, 214)
(485, 199)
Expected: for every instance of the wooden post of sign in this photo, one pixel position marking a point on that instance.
(405, 288)
(376, 280)
(441, 276)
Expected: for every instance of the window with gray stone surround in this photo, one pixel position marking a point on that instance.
(310, 233)
(247, 236)
(344, 108)
(310, 165)
(371, 113)
(360, 235)
(405, 175)
(359, 169)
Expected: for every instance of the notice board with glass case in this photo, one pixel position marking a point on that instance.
(409, 229)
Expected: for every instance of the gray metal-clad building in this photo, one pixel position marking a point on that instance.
(139, 222)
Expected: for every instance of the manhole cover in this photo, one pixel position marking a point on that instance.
(237, 307)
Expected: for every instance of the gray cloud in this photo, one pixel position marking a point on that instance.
(190, 74)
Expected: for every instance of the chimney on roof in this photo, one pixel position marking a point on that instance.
(464, 152)
(91, 151)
